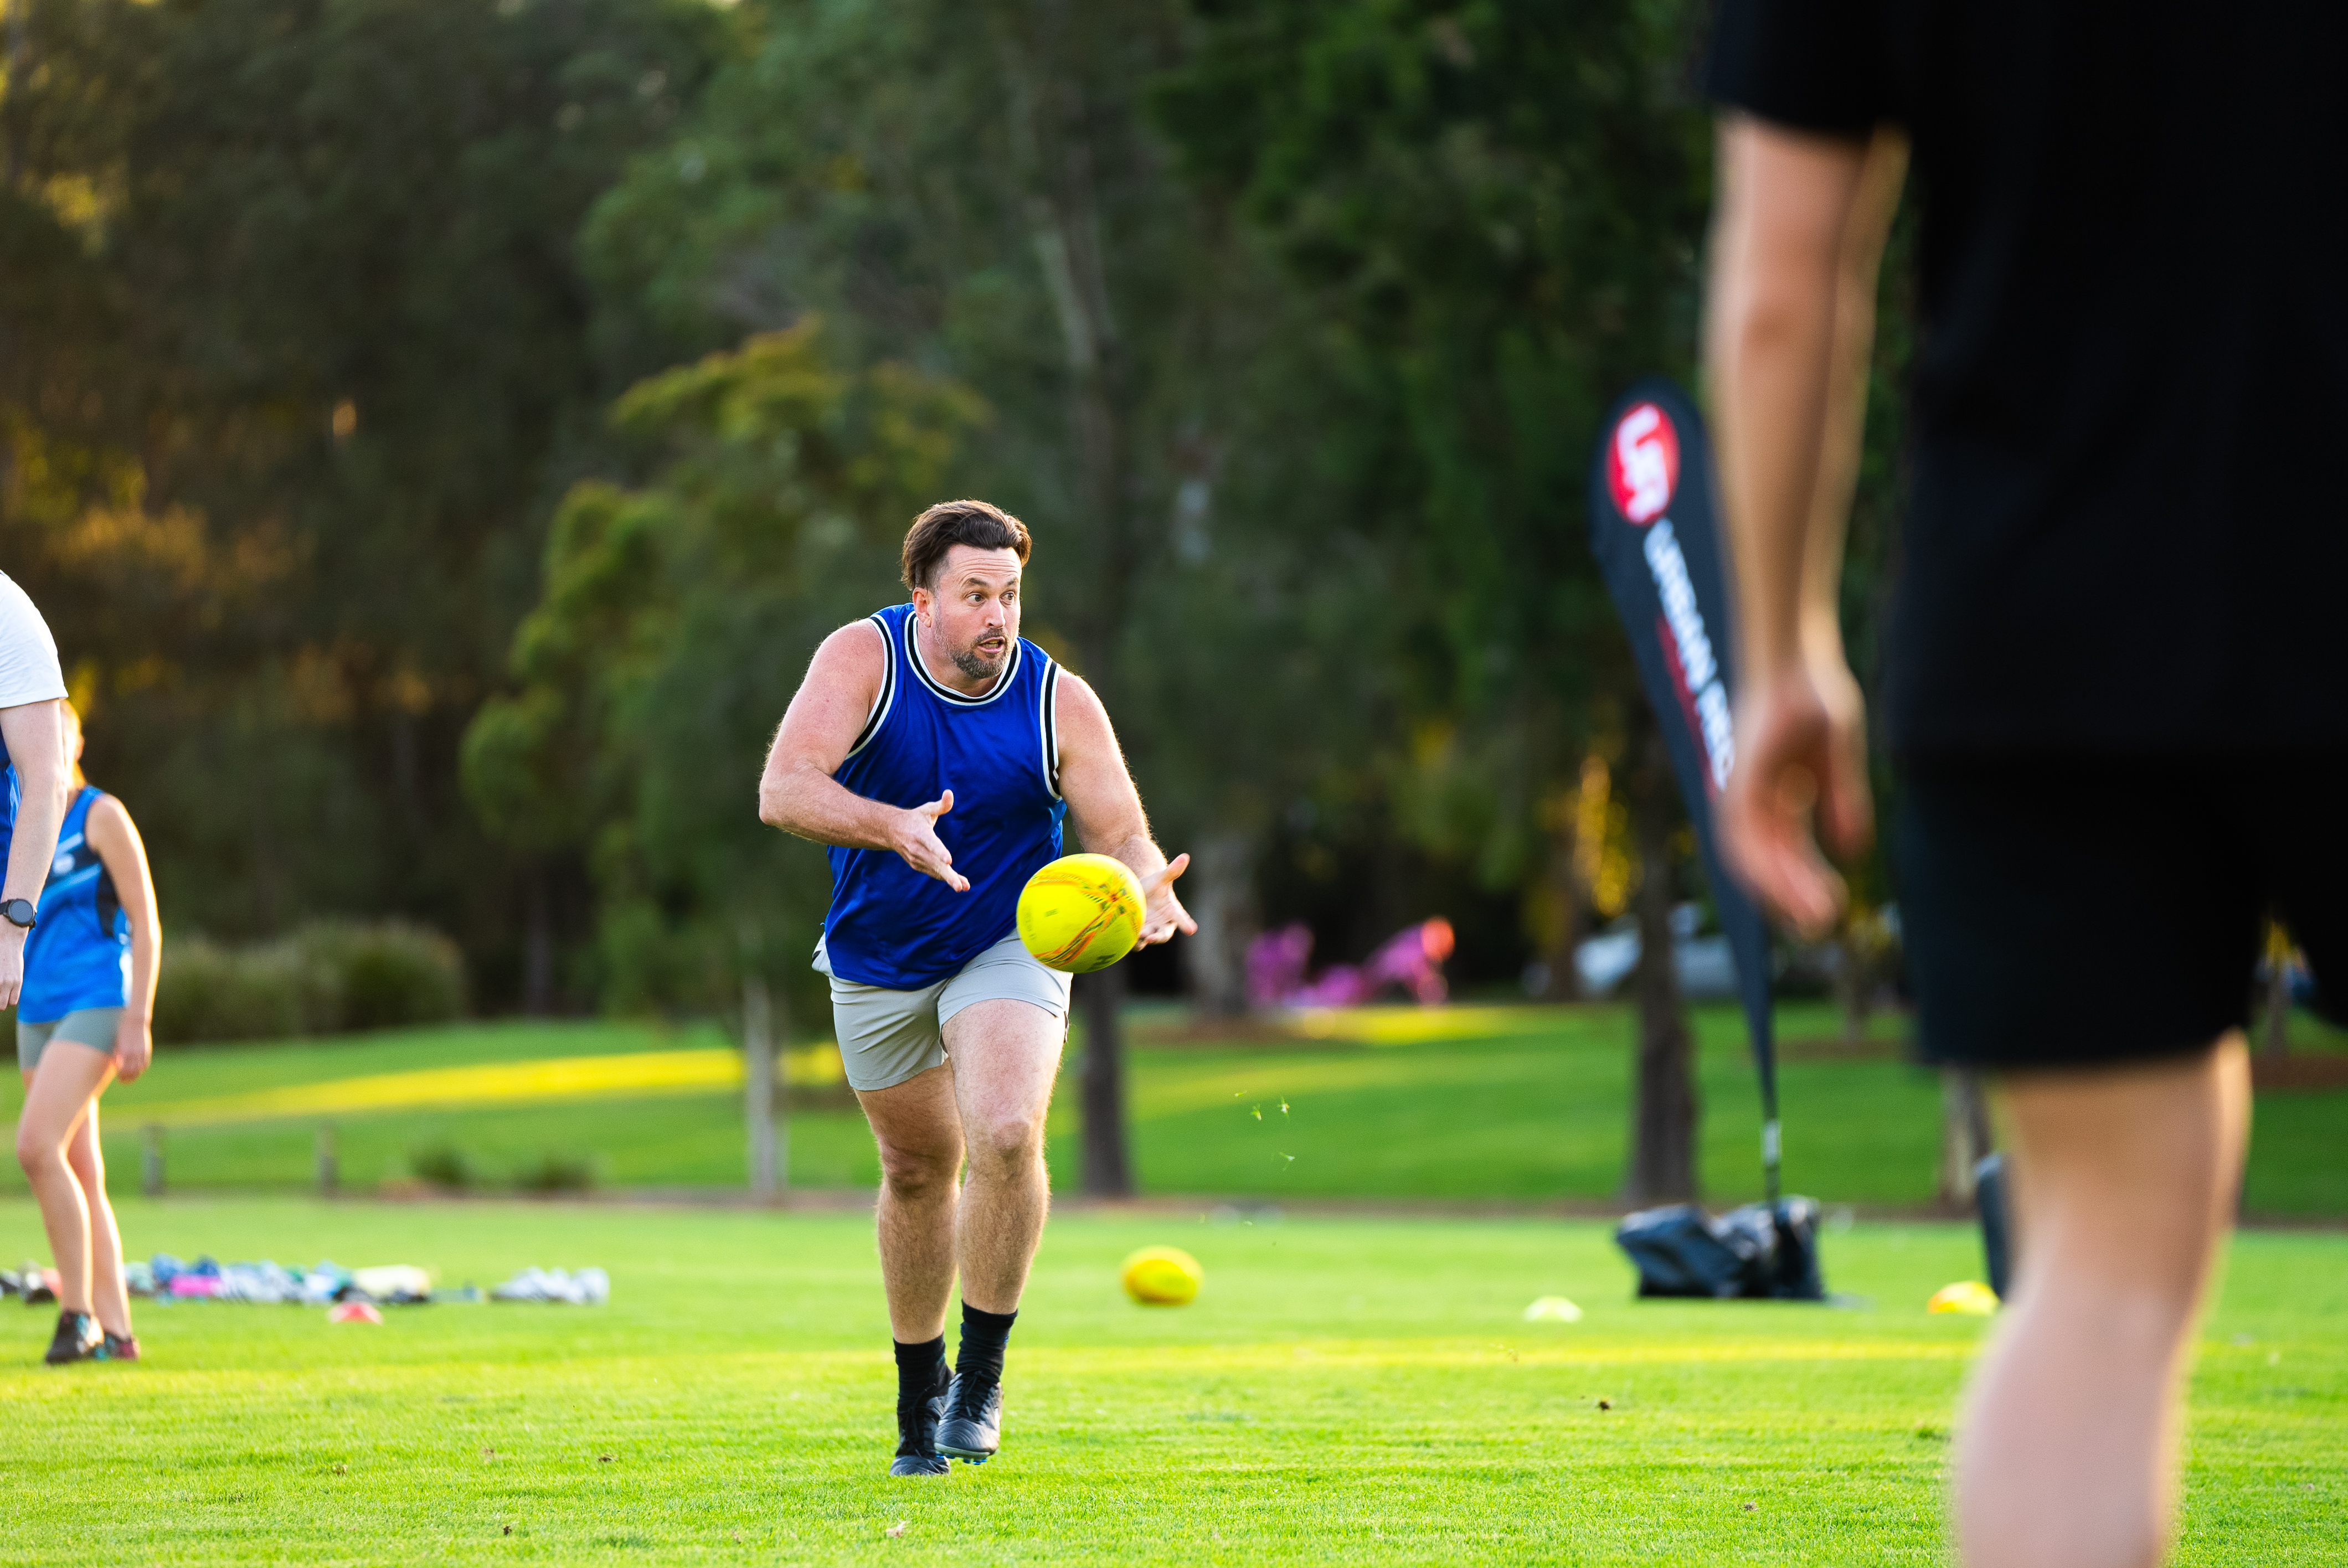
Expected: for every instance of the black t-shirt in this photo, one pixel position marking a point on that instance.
(2126, 525)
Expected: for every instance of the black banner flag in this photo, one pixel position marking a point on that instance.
(1653, 525)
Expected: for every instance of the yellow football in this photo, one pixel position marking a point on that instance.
(1163, 1277)
(1081, 913)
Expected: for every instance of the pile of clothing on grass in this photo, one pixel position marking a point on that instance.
(166, 1278)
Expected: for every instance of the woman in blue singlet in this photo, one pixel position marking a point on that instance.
(83, 1022)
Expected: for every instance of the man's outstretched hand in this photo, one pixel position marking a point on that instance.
(1801, 754)
(915, 840)
(1165, 915)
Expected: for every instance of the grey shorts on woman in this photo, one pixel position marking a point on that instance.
(887, 1037)
(92, 1027)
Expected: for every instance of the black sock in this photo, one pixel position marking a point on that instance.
(920, 1370)
(983, 1335)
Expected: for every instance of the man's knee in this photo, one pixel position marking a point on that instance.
(916, 1170)
(1007, 1143)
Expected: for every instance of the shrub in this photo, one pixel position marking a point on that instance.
(556, 1173)
(328, 976)
(207, 991)
(381, 976)
(442, 1164)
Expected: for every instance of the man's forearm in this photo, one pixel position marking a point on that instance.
(1137, 850)
(1850, 366)
(1777, 266)
(812, 805)
(40, 811)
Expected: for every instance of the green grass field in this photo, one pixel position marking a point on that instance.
(1351, 1390)
(1533, 1107)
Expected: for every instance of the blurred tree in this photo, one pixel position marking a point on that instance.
(309, 362)
(1493, 206)
(1496, 206)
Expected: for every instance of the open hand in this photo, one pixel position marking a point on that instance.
(917, 844)
(134, 1047)
(1801, 751)
(1164, 914)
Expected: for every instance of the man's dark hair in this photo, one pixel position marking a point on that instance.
(978, 524)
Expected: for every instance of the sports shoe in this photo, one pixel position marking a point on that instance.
(973, 1428)
(119, 1347)
(917, 1438)
(77, 1340)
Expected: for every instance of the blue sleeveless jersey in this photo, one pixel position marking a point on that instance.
(79, 955)
(891, 925)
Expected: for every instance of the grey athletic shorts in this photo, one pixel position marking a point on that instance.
(887, 1037)
(85, 1025)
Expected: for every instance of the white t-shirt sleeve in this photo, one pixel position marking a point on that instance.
(30, 671)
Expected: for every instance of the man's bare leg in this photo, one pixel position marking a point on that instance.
(2125, 1181)
(1005, 1057)
(919, 1131)
(58, 1098)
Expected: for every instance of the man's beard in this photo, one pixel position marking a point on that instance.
(977, 665)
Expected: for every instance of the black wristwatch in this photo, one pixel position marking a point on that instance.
(19, 912)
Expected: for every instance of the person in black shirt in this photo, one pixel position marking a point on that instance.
(2116, 693)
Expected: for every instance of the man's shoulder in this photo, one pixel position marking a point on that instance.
(29, 670)
(860, 636)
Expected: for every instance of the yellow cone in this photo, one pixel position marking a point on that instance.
(1967, 1296)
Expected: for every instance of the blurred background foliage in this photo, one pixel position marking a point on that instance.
(439, 434)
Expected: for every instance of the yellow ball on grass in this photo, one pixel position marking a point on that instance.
(1163, 1277)
(1081, 913)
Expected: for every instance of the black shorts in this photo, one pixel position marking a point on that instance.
(2073, 911)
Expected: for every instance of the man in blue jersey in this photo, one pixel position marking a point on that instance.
(938, 753)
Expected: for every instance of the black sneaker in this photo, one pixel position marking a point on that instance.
(917, 1438)
(119, 1347)
(973, 1428)
(77, 1340)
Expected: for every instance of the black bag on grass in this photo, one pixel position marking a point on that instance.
(1755, 1252)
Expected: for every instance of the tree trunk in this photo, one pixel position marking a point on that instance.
(759, 1076)
(1854, 982)
(1219, 896)
(538, 948)
(1663, 1118)
(2277, 1029)
(1108, 1174)
(1964, 1134)
(1567, 898)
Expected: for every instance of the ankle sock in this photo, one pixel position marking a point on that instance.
(920, 1370)
(984, 1335)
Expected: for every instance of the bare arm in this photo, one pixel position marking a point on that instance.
(124, 855)
(36, 735)
(1106, 809)
(1798, 242)
(798, 792)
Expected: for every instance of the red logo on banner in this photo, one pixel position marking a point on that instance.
(1642, 463)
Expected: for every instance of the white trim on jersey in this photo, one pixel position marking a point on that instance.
(886, 699)
(1048, 726)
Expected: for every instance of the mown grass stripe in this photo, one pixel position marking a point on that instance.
(635, 1075)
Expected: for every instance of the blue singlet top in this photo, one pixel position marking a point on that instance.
(889, 924)
(79, 955)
